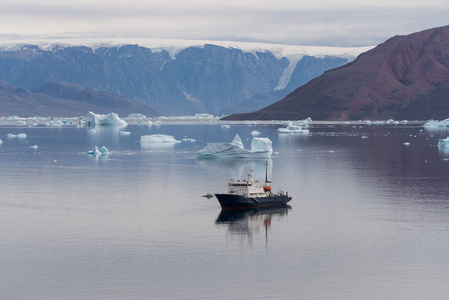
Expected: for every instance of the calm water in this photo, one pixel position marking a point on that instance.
(369, 217)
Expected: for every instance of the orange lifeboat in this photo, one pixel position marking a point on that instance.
(267, 188)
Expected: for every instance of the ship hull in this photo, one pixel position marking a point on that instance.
(228, 201)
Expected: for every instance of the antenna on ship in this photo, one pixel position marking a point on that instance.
(267, 186)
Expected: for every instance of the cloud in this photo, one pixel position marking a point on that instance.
(320, 22)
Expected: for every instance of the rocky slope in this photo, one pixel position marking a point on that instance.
(204, 79)
(406, 77)
(65, 100)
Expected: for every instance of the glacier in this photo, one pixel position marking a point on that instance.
(260, 147)
(111, 119)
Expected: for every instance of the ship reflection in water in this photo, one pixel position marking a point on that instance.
(248, 222)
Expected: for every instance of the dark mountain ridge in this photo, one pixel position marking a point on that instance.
(406, 77)
(65, 100)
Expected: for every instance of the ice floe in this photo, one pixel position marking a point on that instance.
(34, 147)
(1, 142)
(298, 127)
(260, 147)
(125, 133)
(111, 119)
(20, 135)
(255, 133)
(103, 151)
(436, 124)
(158, 138)
(443, 143)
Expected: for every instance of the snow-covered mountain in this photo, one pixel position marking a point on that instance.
(174, 77)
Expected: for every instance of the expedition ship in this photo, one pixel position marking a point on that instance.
(250, 194)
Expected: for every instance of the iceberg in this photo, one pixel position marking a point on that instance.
(1, 142)
(22, 135)
(158, 138)
(125, 133)
(10, 135)
(103, 151)
(57, 123)
(260, 147)
(437, 124)
(443, 143)
(34, 147)
(255, 133)
(111, 119)
(299, 127)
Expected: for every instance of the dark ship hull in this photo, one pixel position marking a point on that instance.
(228, 201)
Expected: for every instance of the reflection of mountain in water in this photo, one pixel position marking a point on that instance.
(250, 221)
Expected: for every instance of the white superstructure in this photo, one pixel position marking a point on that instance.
(249, 187)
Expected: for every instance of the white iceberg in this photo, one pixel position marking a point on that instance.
(111, 119)
(158, 138)
(10, 135)
(22, 135)
(57, 123)
(260, 147)
(437, 124)
(255, 133)
(1, 142)
(443, 143)
(34, 147)
(103, 151)
(225, 126)
(299, 127)
(189, 140)
(125, 133)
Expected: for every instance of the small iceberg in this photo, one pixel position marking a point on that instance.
(300, 127)
(260, 147)
(443, 143)
(34, 147)
(436, 124)
(158, 138)
(57, 123)
(111, 119)
(255, 133)
(22, 135)
(1, 142)
(190, 140)
(407, 144)
(125, 133)
(10, 136)
(103, 151)
(225, 126)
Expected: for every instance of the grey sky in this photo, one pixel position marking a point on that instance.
(293, 22)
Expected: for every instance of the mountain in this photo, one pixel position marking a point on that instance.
(174, 81)
(307, 68)
(406, 77)
(65, 100)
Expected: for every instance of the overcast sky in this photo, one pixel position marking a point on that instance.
(292, 22)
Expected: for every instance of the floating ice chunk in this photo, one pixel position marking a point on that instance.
(57, 123)
(149, 123)
(225, 126)
(137, 116)
(292, 128)
(11, 136)
(189, 140)
(260, 147)
(443, 143)
(22, 135)
(157, 123)
(94, 151)
(158, 138)
(406, 144)
(125, 133)
(104, 150)
(34, 147)
(111, 119)
(92, 130)
(255, 133)
(436, 124)
(1, 142)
